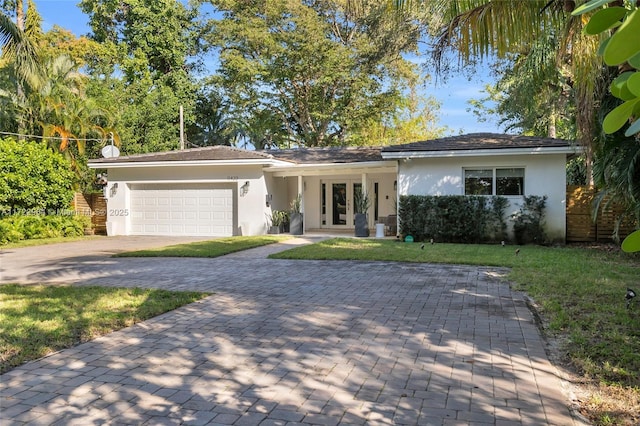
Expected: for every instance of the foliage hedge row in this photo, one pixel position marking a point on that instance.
(453, 218)
(33, 177)
(16, 228)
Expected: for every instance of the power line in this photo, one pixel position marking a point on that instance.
(51, 137)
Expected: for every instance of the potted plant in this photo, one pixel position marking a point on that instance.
(296, 218)
(277, 219)
(361, 205)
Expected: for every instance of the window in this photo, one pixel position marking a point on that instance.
(478, 182)
(508, 181)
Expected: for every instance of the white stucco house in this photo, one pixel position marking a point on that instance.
(224, 191)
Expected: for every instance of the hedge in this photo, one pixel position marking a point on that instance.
(18, 227)
(453, 218)
(33, 177)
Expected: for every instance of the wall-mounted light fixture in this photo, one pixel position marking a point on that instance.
(244, 189)
(395, 185)
(114, 190)
(268, 199)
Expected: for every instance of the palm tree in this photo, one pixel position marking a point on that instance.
(480, 29)
(17, 47)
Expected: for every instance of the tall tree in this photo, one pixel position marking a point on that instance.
(19, 56)
(55, 106)
(212, 125)
(617, 166)
(16, 46)
(533, 94)
(145, 71)
(313, 73)
(478, 29)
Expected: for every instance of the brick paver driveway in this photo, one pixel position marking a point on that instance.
(299, 342)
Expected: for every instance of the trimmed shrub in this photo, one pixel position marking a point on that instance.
(528, 223)
(453, 218)
(34, 179)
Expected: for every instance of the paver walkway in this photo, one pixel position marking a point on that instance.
(299, 342)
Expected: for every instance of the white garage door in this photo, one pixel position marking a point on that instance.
(181, 209)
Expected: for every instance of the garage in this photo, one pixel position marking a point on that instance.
(181, 209)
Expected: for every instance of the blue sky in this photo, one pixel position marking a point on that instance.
(453, 94)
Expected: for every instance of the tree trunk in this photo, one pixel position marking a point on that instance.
(20, 15)
(551, 129)
(19, 88)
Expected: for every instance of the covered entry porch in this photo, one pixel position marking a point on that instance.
(328, 192)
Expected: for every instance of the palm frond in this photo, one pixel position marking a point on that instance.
(482, 28)
(16, 46)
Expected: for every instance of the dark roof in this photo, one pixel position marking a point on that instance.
(344, 154)
(218, 152)
(327, 155)
(479, 141)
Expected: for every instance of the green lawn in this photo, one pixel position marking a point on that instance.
(213, 248)
(580, 293)
(37, 320)
(45, 241)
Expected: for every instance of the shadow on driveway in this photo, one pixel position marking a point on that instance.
(301, 342)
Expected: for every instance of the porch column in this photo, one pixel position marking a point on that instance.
(301, 191)
(365, 192)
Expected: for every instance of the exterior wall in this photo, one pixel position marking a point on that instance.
(544, 175)
(282, 191)
(277, 187)
(249, 211)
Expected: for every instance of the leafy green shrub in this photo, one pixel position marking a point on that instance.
(528, 223)
(9, 233)
(16, 228)
(453, 218)
(34, 178)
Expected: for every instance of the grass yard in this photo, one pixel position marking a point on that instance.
(45, 241)
(213, 248)
(580, 293)
(38, 320)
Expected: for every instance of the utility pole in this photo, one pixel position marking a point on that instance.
(181, 128)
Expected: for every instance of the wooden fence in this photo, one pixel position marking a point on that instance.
(94, 205)
(580, 224)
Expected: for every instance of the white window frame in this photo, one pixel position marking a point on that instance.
(494, 179)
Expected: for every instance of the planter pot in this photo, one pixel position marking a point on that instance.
(296, 223)
(362, 225)
(275, 229)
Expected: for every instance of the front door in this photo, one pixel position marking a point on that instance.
(337, 203)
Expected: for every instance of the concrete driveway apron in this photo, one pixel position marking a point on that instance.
(295, 342)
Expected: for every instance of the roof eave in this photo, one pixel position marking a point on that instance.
(183, 163)
(395, 155)
(359, 164)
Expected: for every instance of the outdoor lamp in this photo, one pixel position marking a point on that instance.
(630, 295)
(114, 190)
(245, 188)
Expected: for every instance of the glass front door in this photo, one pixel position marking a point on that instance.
(339, 208)
(337, 203)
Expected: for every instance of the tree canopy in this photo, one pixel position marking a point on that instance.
(143, 68)
(313, 73)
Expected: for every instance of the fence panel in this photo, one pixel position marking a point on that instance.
(94, 205)
(580, 224)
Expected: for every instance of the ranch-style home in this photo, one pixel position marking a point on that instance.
(224, 191)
